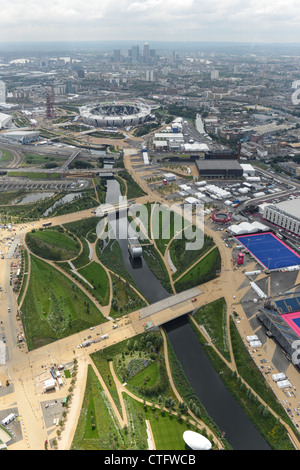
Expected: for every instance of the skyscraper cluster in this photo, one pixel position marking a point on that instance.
(137, 55)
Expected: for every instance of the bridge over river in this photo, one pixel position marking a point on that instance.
(170, 308)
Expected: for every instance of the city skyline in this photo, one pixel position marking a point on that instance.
(147, 20)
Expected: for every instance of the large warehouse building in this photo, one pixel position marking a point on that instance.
(219, 168)
(285, 214)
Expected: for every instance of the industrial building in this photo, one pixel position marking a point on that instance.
(219, 168)
(285, 214)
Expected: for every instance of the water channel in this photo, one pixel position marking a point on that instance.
(67, 198)
(205, 381)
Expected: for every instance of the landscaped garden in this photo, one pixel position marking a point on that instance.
(53, 244)
(54, 307)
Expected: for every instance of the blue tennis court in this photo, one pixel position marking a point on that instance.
(269, 251)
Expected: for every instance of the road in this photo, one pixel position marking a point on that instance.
(23, 368)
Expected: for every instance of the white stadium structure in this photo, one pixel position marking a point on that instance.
(116, 114)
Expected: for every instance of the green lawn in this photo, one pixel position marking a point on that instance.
(203, 271)
(53, 244)
(213, 317)
(54, 307)
(183, 258)
(34, 175)
(5, 155)
(125, 299)
(148, 377)
(167, 430)
(96, 275)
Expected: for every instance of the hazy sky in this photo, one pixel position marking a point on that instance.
(146, 20)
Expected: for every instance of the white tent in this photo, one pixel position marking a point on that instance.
(255, 344)
(252, 338)
(283, 384)
(278, 377)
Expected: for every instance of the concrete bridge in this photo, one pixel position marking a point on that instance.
(170, 308)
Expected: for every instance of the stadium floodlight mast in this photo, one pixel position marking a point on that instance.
(187, 223)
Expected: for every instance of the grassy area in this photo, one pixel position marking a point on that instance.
(164, 223)
(112, 258)
(133, 189)
(55, 245)
(34, 175)
(269, 426)
(203, 271)
(213, 317)
(85, 228)
(54, 307)
(96, 275)
(32, 159)
(183, 258)
(5, 156)
(11, 196)
(125, 299)
(83, 259)
(85, 202)
(97, 427)
(157, 266)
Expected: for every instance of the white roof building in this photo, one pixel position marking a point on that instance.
(49, 384)
(196, 147)
(246, 227)
(5, 120)
(19, 136)
(248, 169)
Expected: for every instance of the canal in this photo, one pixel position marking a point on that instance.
(203, 378)
(209, 388)
(144, 278)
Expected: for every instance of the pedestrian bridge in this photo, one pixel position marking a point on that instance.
(170, 308)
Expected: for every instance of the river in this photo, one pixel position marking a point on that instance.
(209, 388)
(206, 383)
(144, 278)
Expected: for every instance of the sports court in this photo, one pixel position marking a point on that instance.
(269, 251)
(293, 320)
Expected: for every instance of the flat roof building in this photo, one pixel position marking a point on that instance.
(219, 168)
(285, 214)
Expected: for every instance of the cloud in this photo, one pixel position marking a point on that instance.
(152, 19)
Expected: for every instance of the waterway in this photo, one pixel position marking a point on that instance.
(205, 381)
(209, 388)
(67, 198)
(33, 197)
(144, 278)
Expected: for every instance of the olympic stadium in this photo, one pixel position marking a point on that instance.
(116, 114)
